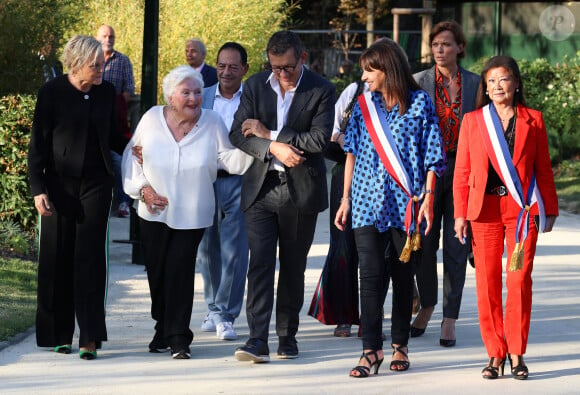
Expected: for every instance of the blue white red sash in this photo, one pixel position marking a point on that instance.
(501, 160)
(384, 143)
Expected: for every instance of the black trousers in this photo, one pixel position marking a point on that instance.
(454, 253)
(378, 255)
(72, 261)
(169, 256)
(273, 221)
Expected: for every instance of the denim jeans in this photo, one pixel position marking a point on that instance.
(223, 253)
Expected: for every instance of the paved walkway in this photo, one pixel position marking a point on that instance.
(124, 366)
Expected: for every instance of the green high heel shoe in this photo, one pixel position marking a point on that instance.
(87, 355)
(64, 349)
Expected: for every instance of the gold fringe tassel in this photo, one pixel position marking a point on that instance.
(517, 259)
(406, 253)
(416, 241)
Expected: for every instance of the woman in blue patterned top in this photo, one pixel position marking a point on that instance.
(394, 153)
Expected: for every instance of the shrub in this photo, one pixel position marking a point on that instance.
(16, 204)
(555, 91)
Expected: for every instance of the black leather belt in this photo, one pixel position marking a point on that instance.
(222, 173)
(276, 177)
(498, 191)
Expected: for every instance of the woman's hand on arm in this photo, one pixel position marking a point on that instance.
(42, 204)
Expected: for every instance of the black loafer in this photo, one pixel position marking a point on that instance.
(158, 344)
(255, 350)
(182, 353)
(287, 347)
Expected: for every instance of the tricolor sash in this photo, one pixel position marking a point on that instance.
(501, 160)
(384, 143)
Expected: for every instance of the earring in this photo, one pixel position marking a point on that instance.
(486, 93)
(517, 89)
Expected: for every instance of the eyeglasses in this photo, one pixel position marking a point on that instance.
(279, 69)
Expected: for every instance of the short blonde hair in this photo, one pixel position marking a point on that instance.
(176, 77)
(79, 51)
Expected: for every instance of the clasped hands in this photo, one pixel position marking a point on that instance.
(289, 155)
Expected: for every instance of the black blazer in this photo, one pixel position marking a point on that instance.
(308, 128)
(209, 75)
(60, 130)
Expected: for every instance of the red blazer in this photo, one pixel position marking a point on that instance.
(530, 153)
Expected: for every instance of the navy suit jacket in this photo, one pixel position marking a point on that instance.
(308, 128)
(209, 75)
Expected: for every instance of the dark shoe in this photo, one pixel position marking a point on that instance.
(182, 353)
(399, 365)
(64, 349)
(255, 350)
(447, 342)
(158, 344)
(423, 316)
(342, 330)
(365, 371)
(491, 372)
(287, 347)
(520, 371)
(416, 332)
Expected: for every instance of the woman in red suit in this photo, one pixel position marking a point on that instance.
(504, 186)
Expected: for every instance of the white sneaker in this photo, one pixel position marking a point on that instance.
(207, 325)
(225, 331)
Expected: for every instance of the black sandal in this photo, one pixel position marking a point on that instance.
(365, 371)
(520, 371)
(397, 364)
(494, 372)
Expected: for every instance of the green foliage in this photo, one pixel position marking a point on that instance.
(555, 91)
(17, 296)
(13, 239)
(16, 113)
(29, 29)
(249, 22)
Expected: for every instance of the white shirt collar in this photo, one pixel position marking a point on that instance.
(275, 84)
(237, 93)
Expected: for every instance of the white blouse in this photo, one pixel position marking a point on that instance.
(183, 171)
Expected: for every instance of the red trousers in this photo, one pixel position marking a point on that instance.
(502, 331)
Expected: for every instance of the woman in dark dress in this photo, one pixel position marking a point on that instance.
(71, 179)
(335, 300)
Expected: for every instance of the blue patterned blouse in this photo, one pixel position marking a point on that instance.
(376, 198)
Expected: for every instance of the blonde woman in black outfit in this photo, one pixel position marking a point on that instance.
(71, 179)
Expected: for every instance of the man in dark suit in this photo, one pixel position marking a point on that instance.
(195, 53)
(284, 120)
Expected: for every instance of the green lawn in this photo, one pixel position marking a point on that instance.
(17, 296)
(569, 193)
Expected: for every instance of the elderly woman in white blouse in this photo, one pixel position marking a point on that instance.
(182, 148)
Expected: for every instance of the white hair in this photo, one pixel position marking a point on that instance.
(176, 77)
